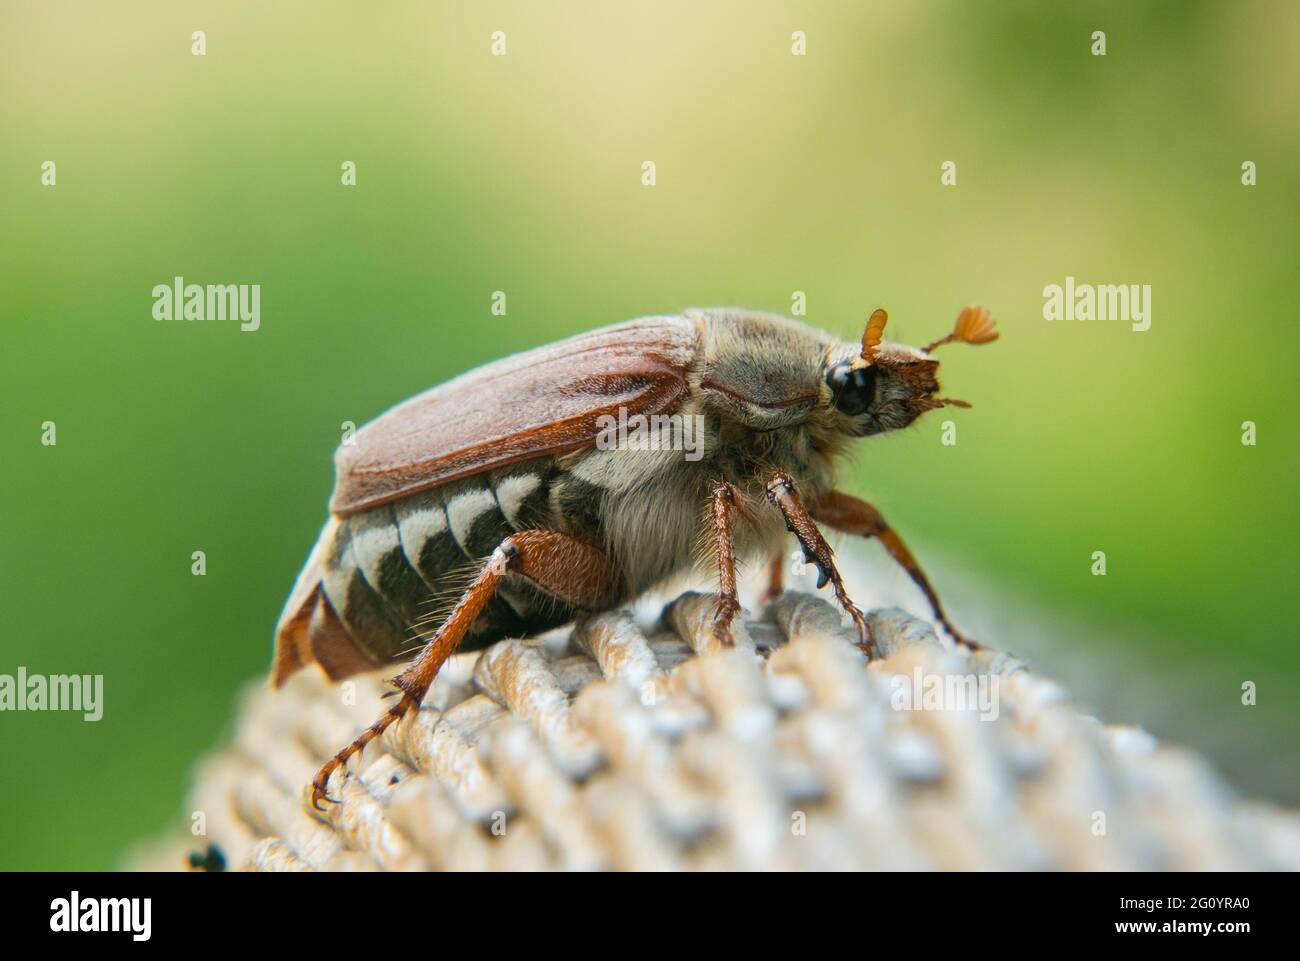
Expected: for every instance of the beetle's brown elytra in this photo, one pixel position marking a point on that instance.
(485, 508)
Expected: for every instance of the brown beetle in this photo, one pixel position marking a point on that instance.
(517, 463)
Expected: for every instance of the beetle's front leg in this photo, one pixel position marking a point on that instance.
(577, 573)
(781, 492)
(850, 515)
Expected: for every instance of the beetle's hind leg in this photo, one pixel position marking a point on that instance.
(578, 574)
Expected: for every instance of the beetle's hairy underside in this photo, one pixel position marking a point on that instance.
(488, 507)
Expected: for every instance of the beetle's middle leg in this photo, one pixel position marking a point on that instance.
(724, 505)
(781, 492)
(577, 573)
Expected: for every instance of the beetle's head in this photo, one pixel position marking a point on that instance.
(887, 386)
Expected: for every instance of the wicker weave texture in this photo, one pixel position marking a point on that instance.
(612, 746)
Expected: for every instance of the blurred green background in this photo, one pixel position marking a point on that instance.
(522, 173)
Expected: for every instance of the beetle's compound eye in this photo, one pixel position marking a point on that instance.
(852, 388)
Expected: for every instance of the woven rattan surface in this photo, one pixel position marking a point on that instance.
(616, 746)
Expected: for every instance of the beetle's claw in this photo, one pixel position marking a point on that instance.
(320, 784)
(723, 615)
(866, 638)
(721, 629)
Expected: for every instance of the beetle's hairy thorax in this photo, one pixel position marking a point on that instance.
(650, 509)
(758, 401)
